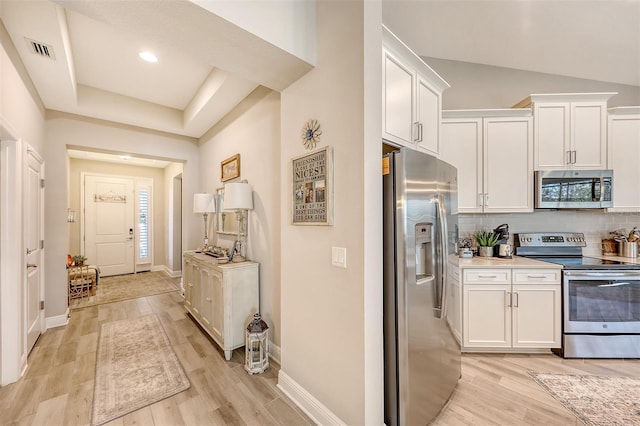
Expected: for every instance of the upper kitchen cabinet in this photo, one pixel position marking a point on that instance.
(492, 150)
(411, 97)
(570, 130)
(624, 157)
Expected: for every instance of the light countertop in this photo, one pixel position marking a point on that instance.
(634, 260)
(496, 262)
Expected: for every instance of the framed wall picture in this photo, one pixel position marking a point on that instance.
(230, 168)
(312, 198)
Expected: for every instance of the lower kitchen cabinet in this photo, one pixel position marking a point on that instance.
(511, 309)
(454, 307)
(222, 298)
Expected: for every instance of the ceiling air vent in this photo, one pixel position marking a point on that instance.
(41, 49)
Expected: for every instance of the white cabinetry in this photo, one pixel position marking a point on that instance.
(511, 309)
(411, 97)
(454, 301)
(221, 298)
(624, 157)
(570, 130)
(492, 150)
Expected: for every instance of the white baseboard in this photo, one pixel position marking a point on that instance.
(313, 408)
(57, 321)
(274, 352)
(165, 269)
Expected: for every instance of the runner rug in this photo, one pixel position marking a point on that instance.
(595, 400)
(135, 367)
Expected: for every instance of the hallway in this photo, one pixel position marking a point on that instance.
(57, 388)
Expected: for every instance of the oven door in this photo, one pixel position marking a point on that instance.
(601, 302)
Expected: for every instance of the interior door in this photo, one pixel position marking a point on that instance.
(109, 223)
(34, 244)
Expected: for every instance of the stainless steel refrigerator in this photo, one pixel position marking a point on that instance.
(422, 358)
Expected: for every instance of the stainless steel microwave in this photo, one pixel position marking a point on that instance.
(573, 189)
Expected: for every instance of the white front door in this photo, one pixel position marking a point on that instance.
(34, 244)
(108, 223)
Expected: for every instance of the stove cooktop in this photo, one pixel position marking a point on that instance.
(585, 262)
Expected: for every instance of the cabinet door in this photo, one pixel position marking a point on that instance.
(196, 298)
(552, 136)
(206, 296)
(508, 164)
(462, 147)
(218, 308)
(486, 316)
(536, 316)
(428, 117)
(588, 135)
(397, 102)
(623, 159)
(187, 282)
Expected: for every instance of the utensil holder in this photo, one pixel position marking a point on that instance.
(626, 249)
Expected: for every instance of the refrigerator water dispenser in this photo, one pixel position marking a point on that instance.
(424, 252)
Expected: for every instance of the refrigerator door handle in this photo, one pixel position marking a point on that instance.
(442, 225)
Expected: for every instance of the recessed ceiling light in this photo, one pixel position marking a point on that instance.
(125, 157)
(148, 56)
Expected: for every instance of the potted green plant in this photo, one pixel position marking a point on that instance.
(78, 260)
(486, 240)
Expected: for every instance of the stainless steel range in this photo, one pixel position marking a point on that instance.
(600, 298)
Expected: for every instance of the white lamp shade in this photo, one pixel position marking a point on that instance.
(238, 196)
(203, 203)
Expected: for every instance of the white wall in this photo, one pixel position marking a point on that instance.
(329, 355)
(252, 130)
(158, 208)
(479, 86)
(65, 130)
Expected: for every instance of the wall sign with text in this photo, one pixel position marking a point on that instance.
(312, 202)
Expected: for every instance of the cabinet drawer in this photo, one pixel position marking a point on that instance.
(523, 276)
(487, 276)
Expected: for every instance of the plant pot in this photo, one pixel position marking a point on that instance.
(484, 251)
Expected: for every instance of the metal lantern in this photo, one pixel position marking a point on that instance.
(256, 358)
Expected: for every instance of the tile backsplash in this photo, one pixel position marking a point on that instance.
(595, 224)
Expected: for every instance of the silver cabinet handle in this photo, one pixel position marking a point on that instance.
(515, 303)
(486, 198)
(480, 199)
(568, 157)
(416, 131)
(536, 276)
(487, 276)
(575, 157)
(509, 299)
(420, 132)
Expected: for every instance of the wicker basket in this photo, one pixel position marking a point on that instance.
(609, 247)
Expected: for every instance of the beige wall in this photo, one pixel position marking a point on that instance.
(65, 130)
(159, 219)
(328, 348)
(174, 209)
(21, 110)
(252, 130)
(476, 86)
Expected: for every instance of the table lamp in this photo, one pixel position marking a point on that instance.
(238, 197)
(204, 203)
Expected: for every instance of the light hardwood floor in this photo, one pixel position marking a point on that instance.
(57, 388)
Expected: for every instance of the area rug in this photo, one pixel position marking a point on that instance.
(124, 287)
(135, 367)
(595, 400)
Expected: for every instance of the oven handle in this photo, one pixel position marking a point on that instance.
(603, 274)
(616, 284)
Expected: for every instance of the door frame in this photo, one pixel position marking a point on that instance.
(13, 341)
(136, 180)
